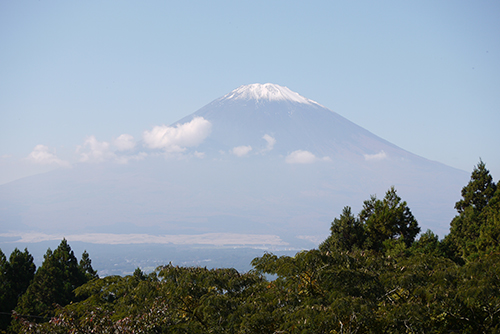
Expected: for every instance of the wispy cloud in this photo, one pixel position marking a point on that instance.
(199, 155)
(42, 155)
(124, 142)
(241, 151)
(376, 157)
(301, 157)
(93, 150)
(178, 138)
(96, 151)
(270, 142)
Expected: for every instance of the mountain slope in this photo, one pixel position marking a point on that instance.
(243, 117)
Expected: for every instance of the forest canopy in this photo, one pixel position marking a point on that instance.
(373, 274)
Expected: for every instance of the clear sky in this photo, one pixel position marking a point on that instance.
(424, 75)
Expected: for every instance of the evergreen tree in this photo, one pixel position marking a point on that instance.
(428, 244)
(16, 275)
(473, 212)
(53, 283)
(20, 271)
(479, 191)
(139, 275)
(86, 266)
(346, 233)
(489, 236)
(4, 293)
(386, 219)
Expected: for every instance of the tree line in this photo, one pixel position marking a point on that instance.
(371, 275)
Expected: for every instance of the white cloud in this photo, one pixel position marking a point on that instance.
(241, 150)
(93, 150)
(124, 142)
(178, 138)
(300, 157)
(42, 155)
(270, 142)
(199, 155)
(375, 157)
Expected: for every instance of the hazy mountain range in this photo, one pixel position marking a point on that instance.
(261, 167)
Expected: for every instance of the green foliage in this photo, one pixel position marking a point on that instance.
(173, 300)
(15, 276)
(347, 233)
(314, 292)
(476, 230)
(381, 225)
(119, 296)
(428, 244)
(53, 283)
(207, 301)
(489, 235)
(139, 275)
(389, 218)
(478, 192)
(85, 266)
(4, 293)
(20, 271)
(320, 292)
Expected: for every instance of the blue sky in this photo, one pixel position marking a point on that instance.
(424, 75)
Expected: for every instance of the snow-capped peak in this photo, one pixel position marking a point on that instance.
(268, 91)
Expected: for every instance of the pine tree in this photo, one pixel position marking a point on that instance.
(473, 212)
(427, 244)
(489, 236)
(53, 283)
(15, 277)
(388, 219)
(20, 271)
(479, 191)
(86, 266)
(4, 293)
(346, 233)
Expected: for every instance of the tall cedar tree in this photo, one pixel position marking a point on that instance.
(4, 290)
(388, 219)
(346, 233)
(473, 211)
(489, 237)
(15, 277)
(86, 266)
(53, 283)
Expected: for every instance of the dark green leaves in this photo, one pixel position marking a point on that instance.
(389, 218)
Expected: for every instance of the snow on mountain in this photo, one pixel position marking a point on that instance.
(268, 91)
(252, 115)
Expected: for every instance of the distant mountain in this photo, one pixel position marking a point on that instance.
(247, 114)
(261, 166)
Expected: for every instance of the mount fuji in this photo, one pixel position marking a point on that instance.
(261, 166)
(269, 114)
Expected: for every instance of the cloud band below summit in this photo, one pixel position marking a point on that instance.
(178, 138)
